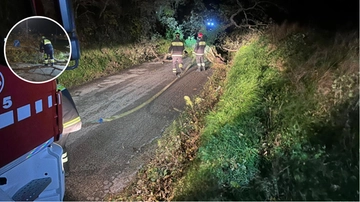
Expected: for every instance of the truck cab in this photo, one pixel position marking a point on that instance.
(31, 121)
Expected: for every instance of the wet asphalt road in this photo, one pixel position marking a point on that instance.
(104, 157)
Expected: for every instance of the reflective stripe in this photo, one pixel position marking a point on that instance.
(38, 106)
(72, 122)
(177, 43)
(23, 112)
(176, 55)
(6, 119)
(49, 101)
(64, 157)
(199, 53)
(202, 43)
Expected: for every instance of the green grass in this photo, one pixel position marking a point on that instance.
(285, 129)
(228, 158)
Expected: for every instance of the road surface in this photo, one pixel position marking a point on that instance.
(103, 157)
(37, 72)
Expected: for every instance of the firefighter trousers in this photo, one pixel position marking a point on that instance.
(200, 62)
(49, 54)
(177, 64)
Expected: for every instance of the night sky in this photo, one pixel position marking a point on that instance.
(323, 13)
(328, 14)
(39, 26)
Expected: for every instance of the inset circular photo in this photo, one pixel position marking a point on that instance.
(37, 49)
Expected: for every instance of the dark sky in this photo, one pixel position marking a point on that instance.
(331, 14)
(324, 11)
(39, 25)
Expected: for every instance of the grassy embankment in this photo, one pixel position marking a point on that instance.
(281, 122)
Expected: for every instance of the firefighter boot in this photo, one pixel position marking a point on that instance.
(203, 67)
(181, 68)
(198, 69)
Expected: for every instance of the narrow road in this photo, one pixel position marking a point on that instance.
(103, 157)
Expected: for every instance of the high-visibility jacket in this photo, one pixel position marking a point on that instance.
(177, 47)
(71, 118)
(45, 44)
(200, 47)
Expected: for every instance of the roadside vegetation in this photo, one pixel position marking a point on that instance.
(279, 122)
(98, 61)
(28, 49)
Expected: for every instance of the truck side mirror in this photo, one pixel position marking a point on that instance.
(68, 22)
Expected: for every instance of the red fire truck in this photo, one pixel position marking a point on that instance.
(31, 121)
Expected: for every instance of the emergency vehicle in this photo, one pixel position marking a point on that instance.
(31, 121)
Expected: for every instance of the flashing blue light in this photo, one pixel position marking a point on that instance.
(210, 24)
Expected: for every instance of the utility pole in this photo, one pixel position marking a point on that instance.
(27, 29)
(56, 30)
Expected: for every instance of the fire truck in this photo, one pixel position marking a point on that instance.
(31, 122)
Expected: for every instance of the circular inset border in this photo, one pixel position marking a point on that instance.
(69, 44)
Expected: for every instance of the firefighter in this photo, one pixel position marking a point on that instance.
(48, 50)
(71, 123)
(199, 52)
(176, 50)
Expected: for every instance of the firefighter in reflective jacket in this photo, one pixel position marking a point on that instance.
(71, 123)
(199, 52)
(176, 50)
(48, 50)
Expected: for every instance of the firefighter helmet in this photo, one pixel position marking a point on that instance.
(200, 34)
(43, 37)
